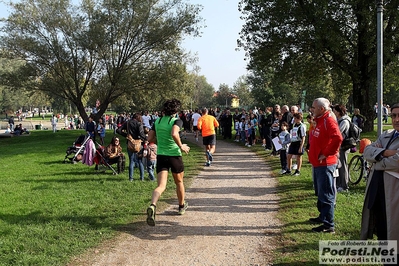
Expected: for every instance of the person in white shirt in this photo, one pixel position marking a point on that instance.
(195, 118)
(54, 123)
(146, 120)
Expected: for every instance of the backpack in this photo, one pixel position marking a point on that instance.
(360, 121)
(353, 137)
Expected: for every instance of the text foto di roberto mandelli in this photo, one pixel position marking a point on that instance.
(356, 242)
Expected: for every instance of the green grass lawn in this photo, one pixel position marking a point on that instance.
(51, 210)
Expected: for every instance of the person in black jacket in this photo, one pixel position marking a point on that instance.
(90, 128)
(265, 125)
(135, 128)
(227, 123)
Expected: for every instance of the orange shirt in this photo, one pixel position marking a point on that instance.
(207, 124)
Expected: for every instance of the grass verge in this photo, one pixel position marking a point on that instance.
(297, 244)
(51, 210)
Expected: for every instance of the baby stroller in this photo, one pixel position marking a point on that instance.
(78, 151)
(74, 153)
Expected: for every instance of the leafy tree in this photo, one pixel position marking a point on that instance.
(13, 100)
(391, 81)
(203, 93)
(242, 90)
(98, 50)
(223, 96)
(260, 81)
(339, 34)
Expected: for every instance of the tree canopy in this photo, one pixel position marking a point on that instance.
(103, 50)
(336, 40)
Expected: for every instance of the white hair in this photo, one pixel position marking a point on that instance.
(323, 102)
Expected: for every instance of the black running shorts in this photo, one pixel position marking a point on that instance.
(175, 163)
(209, 140)
(294, 148)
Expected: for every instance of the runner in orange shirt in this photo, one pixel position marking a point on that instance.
(207, 124)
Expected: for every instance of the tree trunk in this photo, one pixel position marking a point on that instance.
(361, 100)
(81, 110)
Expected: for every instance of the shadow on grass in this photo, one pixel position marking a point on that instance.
(96, 177)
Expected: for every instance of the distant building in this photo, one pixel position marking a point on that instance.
(234, 100)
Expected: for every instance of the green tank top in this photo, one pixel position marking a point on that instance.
(166, 145)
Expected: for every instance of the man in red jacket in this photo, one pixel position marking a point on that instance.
(323, 155)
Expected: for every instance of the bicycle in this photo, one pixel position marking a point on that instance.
(358, 168)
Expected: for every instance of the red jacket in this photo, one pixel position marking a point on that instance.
(325, 140)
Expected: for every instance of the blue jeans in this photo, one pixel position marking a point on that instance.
(133, 159)
(150, 169)
(242, 135)
(324, 183)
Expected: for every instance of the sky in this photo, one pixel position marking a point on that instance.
(218, 59)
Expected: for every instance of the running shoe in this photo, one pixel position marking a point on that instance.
(151, 215)
(210, 157)
(183, 209)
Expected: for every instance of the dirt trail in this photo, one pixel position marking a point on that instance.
(231, 220)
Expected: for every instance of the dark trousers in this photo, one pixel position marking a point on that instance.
(120, 161)
(268, 137)
(227, 132)
(283, 159)
(377, 204)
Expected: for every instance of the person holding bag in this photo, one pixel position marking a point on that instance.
(134, 128)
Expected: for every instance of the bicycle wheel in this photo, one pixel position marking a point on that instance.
(356, 169)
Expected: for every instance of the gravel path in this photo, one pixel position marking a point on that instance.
(231, 220)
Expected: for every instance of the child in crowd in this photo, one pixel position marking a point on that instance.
(150, 156)
(275, 130)
(237, 129)
(242, 129)
(151, 160)
(101, 131)
(298, 135)
(284, 139)
(248, 131)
